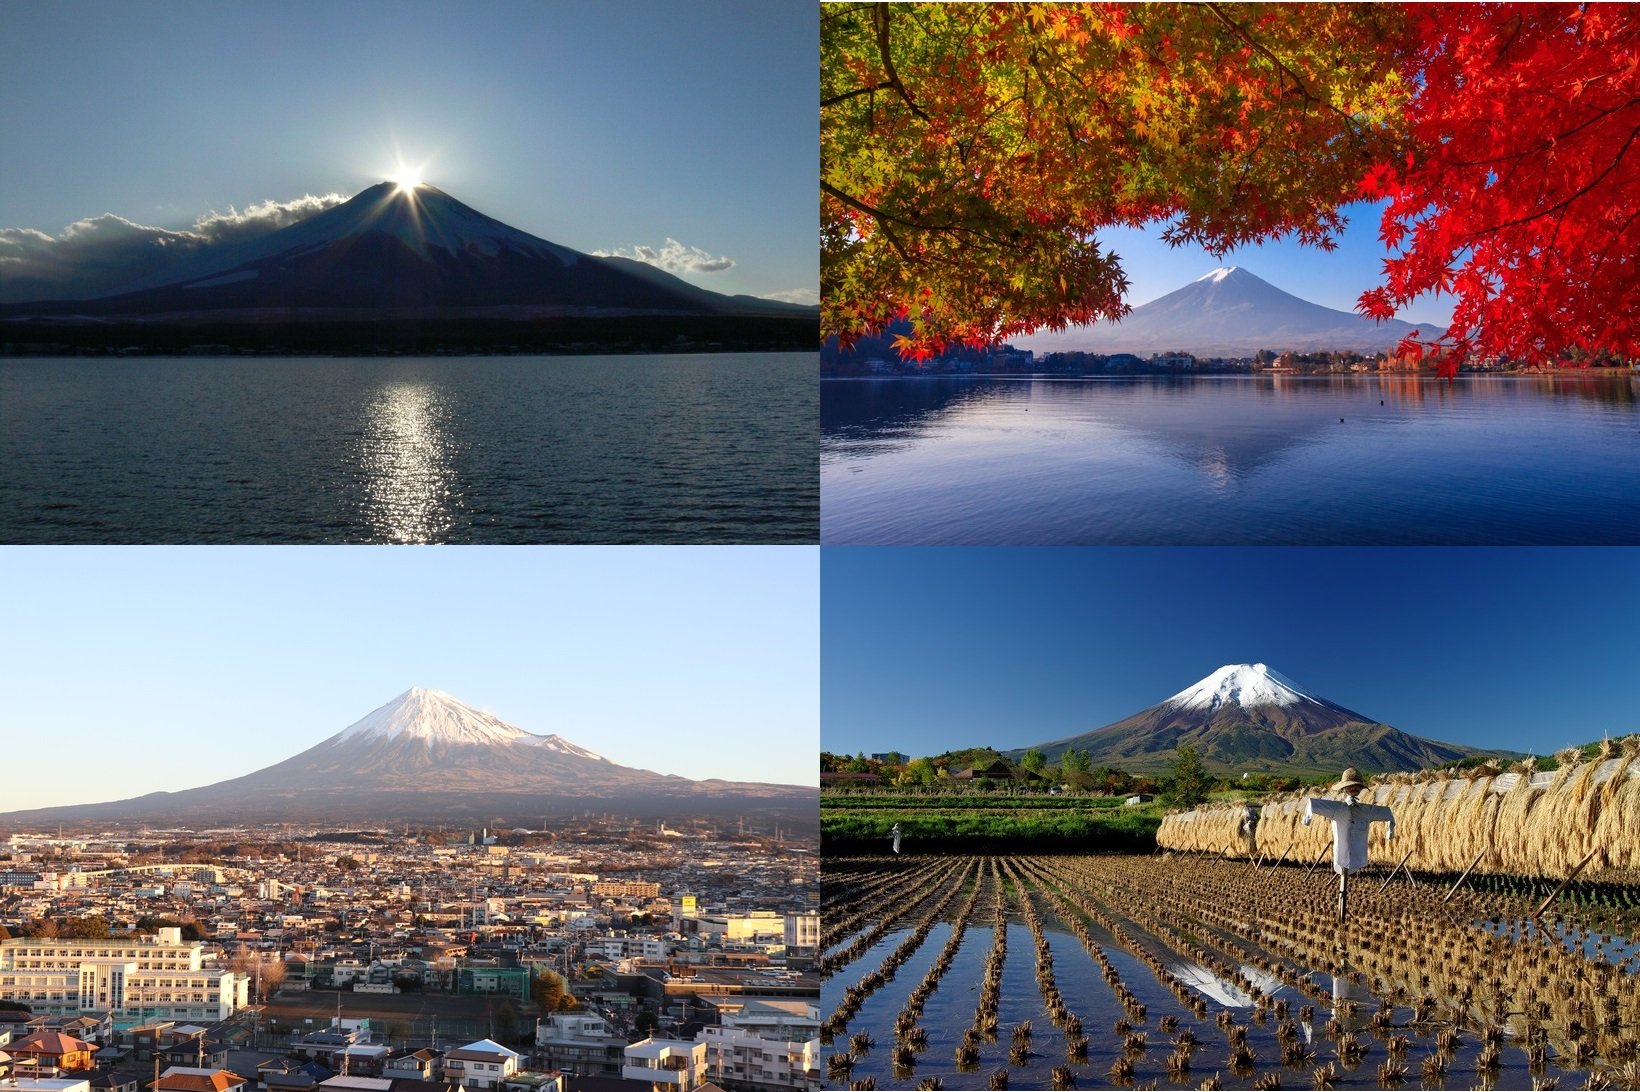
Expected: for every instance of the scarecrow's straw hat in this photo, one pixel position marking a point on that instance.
(1350, 779)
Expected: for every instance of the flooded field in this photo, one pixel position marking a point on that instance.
(1191, 972)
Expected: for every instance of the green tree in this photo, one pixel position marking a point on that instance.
(1034, 760)
(1076, 761)
(1190, 778)
(922, 769)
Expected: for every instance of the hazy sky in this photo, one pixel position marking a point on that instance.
(601, 125)
(933, 649)
(130, 670)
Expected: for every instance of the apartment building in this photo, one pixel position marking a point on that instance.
(149, 977)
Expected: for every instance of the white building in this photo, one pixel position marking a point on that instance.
(147, 977)
(802, 932)
(666, 1063)
(736, 1055)
(483, 1064)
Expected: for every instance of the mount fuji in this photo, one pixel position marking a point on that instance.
(426, 756)
(1248, 717)
(1230, 312)
(394, 250)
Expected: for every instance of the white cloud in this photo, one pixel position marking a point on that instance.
(102, 255)
(810, 296)
(674, 257)
(259, 219)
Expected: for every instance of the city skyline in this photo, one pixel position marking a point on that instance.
(701, 663)
(629, 129)
(929, 650)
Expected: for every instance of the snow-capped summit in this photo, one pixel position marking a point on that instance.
(1217, 275)
(1246, 685)
(431, 715)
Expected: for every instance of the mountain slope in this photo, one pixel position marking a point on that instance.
(426, 755)
(1248, 717)
(1230, 312)
(395, 251)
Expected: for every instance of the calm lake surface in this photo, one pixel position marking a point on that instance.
(1236, 459)
(654, 449)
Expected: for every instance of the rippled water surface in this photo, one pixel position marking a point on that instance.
(654, 449)
(1363, 460)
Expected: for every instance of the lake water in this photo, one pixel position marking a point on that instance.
(1235, 459)
(653, 449)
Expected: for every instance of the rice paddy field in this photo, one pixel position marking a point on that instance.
(1175, 970)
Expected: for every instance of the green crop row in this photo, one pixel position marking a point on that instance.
(966, 801)
(944, 830)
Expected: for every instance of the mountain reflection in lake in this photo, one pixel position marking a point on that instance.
(1269, 459)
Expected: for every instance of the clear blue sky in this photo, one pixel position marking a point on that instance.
(598, 124)
(130, 670)
(927, 650)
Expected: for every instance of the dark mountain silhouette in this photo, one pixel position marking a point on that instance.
(1246, 717)
(392, 252)
(425, 755)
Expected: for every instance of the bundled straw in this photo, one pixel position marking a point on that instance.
(1517, 822)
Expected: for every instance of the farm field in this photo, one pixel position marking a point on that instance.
(1182, 971)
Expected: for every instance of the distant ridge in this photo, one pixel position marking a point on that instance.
(1247, 717)
(425, 755)
(1230, 312)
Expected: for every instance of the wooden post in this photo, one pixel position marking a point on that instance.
(1343, 896)
(1317, 860)
(1255, 862)
(1465, 876)
(1570, 876)
(1393, 871)
(1283, 857)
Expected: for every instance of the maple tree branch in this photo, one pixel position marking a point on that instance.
(856, 93)
(1560, 206)
(880, 15)
(880, 217)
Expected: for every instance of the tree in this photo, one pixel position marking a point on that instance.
(551, 992)
(969, 154)
(1520, 191)
(1076, 761)
(1190, 777)
(1034, 760)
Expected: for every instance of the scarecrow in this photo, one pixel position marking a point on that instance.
(896, 833)
(1350, 820)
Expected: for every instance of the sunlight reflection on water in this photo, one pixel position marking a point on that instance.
(405, 456)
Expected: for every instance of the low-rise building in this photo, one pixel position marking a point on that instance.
(483, 1064)
(579, 1043)
(666, 1063)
